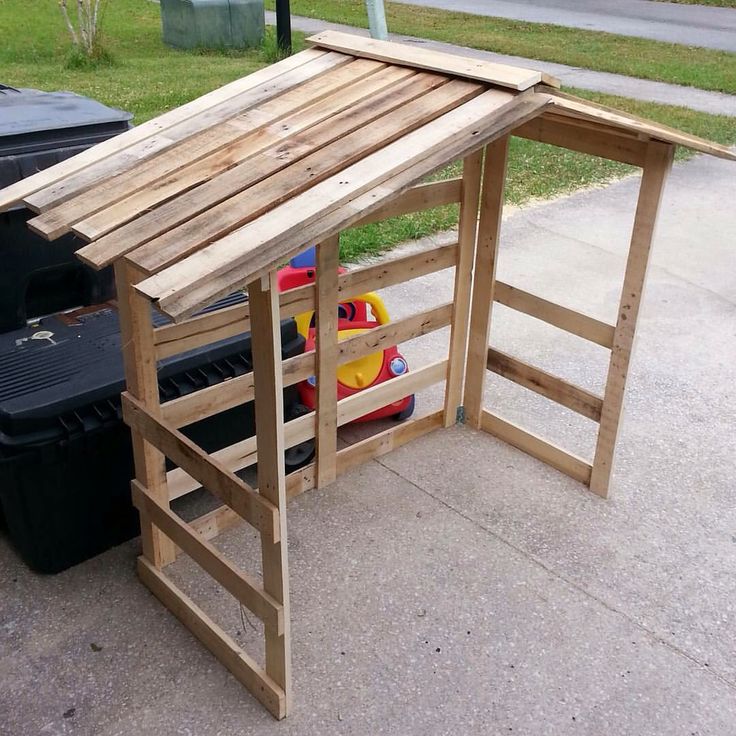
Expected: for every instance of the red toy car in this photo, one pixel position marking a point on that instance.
(358, 315)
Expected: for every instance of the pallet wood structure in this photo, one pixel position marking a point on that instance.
(215, 195)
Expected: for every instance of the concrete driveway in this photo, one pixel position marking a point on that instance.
(457, 586)
(692, 25)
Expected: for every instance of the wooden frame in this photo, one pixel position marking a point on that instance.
(213, 197)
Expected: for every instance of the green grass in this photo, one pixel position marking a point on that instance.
(636, 57)
(147, 78)
(144, 76)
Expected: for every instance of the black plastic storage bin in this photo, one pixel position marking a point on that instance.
(37, 130)
(65, 454)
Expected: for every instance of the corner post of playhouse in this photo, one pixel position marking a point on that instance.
(657, 165)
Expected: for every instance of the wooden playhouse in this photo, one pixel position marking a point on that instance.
(215, 195)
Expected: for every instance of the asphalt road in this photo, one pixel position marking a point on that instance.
(693, 25)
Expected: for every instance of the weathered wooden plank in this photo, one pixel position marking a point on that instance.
(229, 144)
(244, 668)
(396, 53)
(552, 387)
(467, 231)
(418, 198)
(564, 133)
(139, 359)
(537, 447)
(105, 174)
(15, 193)
(656, 170)
(554, 314)
(265, 330)
(328, 262)
(243, 454)
(213, 523)
(239, 390)
(484, 277)
(320, 153)
(239, 584)
(209, 472)
(270, 154)
(574, 106)
(335, 204)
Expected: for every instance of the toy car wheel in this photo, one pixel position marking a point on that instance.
(406, 413)
(302, 454)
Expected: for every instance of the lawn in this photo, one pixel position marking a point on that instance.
(148, 78)
(635, 57)
(714, 3)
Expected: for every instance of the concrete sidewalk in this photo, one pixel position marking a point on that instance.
(457, 586)
(691, 25)
(715, 103)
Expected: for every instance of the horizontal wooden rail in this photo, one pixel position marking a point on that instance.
(206, 328)
(537, 447)
(418, 198)
(565, 319)
(558, 131)
(243, 454)
(245, 669)
(214, 399)
(238, 583)
(209, 472)
(547, 385)
(213, 523)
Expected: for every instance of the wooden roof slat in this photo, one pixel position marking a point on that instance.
(216, 269)
(366, 81)
(576, 107)
(17, 192)
(503, 75)
(369, 133)
(357, 106)
(85, 193)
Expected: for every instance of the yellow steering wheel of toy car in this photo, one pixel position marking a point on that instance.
(304, 320)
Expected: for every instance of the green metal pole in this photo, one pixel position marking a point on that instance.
(377, 19)
(283, 25)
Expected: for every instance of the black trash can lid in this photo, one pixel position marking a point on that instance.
(27, 111)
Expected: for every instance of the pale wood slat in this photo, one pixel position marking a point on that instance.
(280, 146)
(100, 172)
(238, 583)
(552, 387)
(199, 157)
(575, 106)
(330, 148)
(536, 446)
(561, 317)
(333, 205)
(560, 132)
(15, 193)
(245, 669)
(213, 523)
(244, 454)
(656, 170)
(239, 390)
(230, 489)
(396, 53)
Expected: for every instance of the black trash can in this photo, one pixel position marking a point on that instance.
(65, 455)
(37, 130)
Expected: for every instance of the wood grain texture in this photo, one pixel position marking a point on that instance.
(484, 276)
(656, 170)
(502, 75)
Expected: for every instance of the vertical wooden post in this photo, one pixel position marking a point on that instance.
(467, 229)
(484, 277)
(328, 256)
(265, 328)
(139, 356)
(657, 165)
